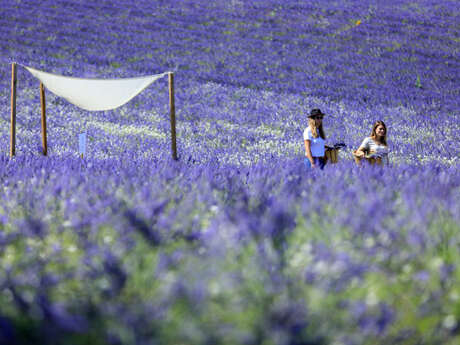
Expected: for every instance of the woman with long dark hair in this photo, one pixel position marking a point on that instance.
(375, 146)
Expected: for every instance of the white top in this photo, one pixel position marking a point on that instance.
(374, 148)
(316, 144)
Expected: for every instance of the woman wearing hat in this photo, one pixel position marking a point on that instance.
(314, 140)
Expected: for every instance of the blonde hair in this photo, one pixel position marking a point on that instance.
(315, 130)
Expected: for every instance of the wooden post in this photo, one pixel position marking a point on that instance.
(13, 110)
(172, 109)
(43, 104)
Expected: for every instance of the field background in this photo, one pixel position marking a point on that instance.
(234, 243)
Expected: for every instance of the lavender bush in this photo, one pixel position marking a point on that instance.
(234, 243)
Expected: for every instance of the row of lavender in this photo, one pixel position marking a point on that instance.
(130, 253)
(234, 243)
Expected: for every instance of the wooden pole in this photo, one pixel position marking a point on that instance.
(43, 104)
(13, 110)
(172, 109)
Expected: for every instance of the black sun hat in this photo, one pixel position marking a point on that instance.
(316, 112)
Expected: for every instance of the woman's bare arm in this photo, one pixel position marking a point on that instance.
(308, 152)
(361, 151)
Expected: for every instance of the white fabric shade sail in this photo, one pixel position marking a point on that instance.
(94, 94)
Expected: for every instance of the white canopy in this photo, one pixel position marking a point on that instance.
(94, 94)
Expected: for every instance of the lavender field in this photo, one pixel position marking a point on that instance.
(234, 242)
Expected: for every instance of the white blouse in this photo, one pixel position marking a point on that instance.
(374, 148)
